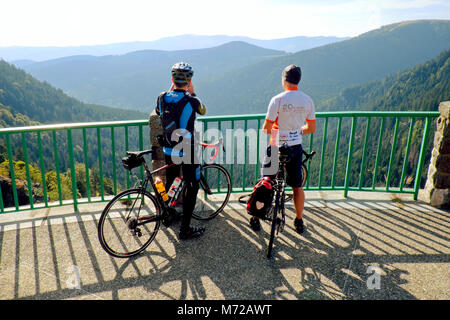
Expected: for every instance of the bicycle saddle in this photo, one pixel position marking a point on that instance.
(138, 154)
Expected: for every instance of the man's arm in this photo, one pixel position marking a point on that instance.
(200, 108)
(310, 126)
(267, 127)
(271, 116)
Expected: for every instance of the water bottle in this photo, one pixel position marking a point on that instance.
(177, 191)
(161, 189)
(173, 188)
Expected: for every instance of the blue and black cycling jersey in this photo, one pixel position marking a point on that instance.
(177, 110)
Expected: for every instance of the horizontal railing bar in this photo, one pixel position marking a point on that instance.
(108, 124)
(415, 114)
(79, 125)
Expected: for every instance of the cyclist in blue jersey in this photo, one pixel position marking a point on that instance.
(177, 109)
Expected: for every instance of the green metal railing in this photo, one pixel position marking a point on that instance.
(63, 144)
(364, 118)
(338, 165)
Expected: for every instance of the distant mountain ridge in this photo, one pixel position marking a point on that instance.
(237, 77)
(133, 80)
(182, 42)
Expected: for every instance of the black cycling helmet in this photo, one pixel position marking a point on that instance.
(292, 74)
(182, 73)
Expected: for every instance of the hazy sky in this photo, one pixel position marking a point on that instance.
(87, 22)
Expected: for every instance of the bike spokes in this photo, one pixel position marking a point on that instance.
(129, 223)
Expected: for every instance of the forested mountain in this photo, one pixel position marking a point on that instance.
(22, 94)
(331, 68)
(133, 81)
(182, 42)
(25, 101)
(420, 88)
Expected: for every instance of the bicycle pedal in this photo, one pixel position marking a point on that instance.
(167, 221)
(135, 232)
(138, 232)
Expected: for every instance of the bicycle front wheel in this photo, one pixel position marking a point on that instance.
(129, 223)
(304, 175)
(214, 192)
(275, 221)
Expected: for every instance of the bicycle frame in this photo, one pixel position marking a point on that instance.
(280, 190)
(149, 178)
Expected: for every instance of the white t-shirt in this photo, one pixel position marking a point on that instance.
(288, 111)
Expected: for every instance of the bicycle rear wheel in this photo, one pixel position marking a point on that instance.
(214, 192)
(129, 223)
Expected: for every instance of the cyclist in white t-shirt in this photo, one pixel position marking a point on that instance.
(290, 115)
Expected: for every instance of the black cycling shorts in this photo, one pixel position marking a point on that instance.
(293, 166)
(191, 172)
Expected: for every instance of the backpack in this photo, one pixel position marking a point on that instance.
(261, 198)
(170, 113)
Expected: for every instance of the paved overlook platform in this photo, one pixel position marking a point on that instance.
(368, 246)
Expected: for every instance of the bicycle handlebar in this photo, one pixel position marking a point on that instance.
(214, 145)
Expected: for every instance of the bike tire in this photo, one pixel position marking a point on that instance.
(115, 232)
(272, 232)
(304, 175)
(217, 179)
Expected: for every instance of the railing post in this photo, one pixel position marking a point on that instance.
(113, 156)
(349, 157)
(42, 166)
(86, 165)
(408, 147)
(11, 170)
(27, 169)
(377, 158)
(363, 160)
(100, 163)
(336, 151)
(58, 178)
(391, 157)
(72, 169)
(311, 139)
(322, 155)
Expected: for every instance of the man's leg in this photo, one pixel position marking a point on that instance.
(191, 175)
(299, 204)
(299, 201)
(294, 179)
(172, 172)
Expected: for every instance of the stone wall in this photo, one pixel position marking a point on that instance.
(158, 158)
(437, 187)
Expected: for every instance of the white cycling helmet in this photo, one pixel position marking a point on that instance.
(182, 73)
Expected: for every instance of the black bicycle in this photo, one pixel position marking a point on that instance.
(277, 213)
(131, 220)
